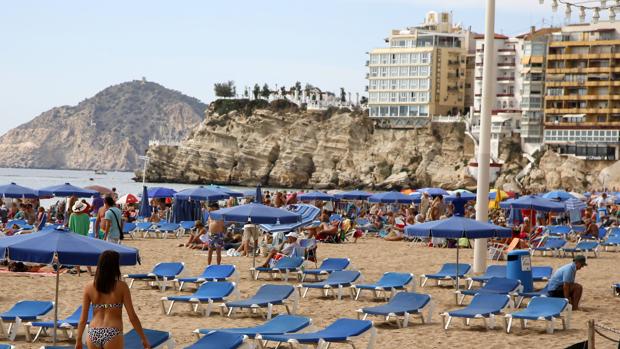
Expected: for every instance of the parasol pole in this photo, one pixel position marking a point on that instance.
(56, 298)
(457, 264)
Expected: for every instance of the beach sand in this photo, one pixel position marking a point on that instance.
(372, 257)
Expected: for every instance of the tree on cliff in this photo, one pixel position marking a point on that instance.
(343, 95)
(363, 100)
(256, 91)
(265, 92)
(283, 91)
(225, 89)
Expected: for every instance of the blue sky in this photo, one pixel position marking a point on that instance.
(61, 52)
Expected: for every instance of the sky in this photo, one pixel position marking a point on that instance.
(61, 52)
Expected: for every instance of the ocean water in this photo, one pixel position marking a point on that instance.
(122, 181)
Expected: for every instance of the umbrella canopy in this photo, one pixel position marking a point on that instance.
(457, 227)
(145, 208)
(71, 248)
(464, 195)
(15, 191)
(127, 199)
(391, 197)
(230, 192)
(462, 191)
(316, 195)
(533, 202)
(160, 192)
(201, 194)
(502, 194)
(578, 196)
(249, 193)
(256, 214)
(353, 195)
(433, 191)
(574, 204)
(558, 195)
(66, 190)
(100, 189)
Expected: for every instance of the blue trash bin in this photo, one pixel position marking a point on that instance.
(519, 266)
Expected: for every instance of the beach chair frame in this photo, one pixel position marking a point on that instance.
(154, 280)
(565, 317)
(429, 308)
(460, 296)
(201, 280)
(291, 304)
(382, 292)
(283, 274)
(302, 273)
(10, 332)
(489, 322)
(574, 250)
(322, 344)
(198, 306)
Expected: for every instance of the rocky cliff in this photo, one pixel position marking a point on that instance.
(108, 131)
(284, 147)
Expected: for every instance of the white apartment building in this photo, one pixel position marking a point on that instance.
(421, 73)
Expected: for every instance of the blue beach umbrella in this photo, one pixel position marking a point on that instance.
(457, 227)
(316, 195)
(558, 195)
(574, 204)
(61, 247)
(433, 191)
(160, 192)
(66, 190)
(145, 208)
(533, 202)
(391, 197)
(258, 196)
(255, 213)
(464, 195)
(353, 195)
(230, 192)
(202, 194)
(15, 191)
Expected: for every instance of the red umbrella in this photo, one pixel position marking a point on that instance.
(128, 199)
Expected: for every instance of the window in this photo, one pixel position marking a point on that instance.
(415, 58)
(393, 84)
(414, 84)
(385, 58)
(403, 84)
(402, 97)
(424, 70)
(373, 84)
(374, 111)
(383, 97)
(393, 71)
(413, 110)
(425, 57)
(424, 110)
(374, 72)
(393, 111)
(424, 84)
(393, 96)
(384, 72)
(403, 110)
(414, 97)
(404, 71)
(395, 58)
(413, 71)
(423, 97)
(374, 59)
(404, 58)
(383, 110)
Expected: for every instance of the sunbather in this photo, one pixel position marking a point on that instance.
(286, 249)
(195, 237)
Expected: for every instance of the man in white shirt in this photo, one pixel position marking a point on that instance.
(286, 249)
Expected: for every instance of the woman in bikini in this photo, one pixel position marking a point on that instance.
(107, 295)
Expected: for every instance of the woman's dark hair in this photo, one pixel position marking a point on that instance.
(108, 271)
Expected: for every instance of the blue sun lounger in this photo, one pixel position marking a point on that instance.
(403, 304)
(280, 324)
(328, 266)
(21, 313)
(495, 285)
(336, 280)
(550, 244)
(221, 340)
(582, 247)
(66, 325)
(340, 331)
(520, 296)
(164, 229)
(542, 273)
(483, 306)
(447, 272)
(143, 227)
(186, 226)
(267, 296)
(284, 266)
(129, 228)
(543, 308)
(209, 293)
(561, 230)
(390, 281)
(492, 271)
(211, 273)
(613, 240)
(157, 340)
(161, 274)
(6, 346)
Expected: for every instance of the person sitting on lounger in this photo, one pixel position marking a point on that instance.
(285, 250)
(562, 283)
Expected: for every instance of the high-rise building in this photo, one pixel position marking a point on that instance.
(421, 73)
(582, 101)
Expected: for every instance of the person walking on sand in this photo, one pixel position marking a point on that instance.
(113, 223)
(107, 295)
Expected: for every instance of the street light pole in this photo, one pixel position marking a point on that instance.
(484, 145)
(146, 161)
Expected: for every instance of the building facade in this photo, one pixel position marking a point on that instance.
(582, 100)
(421, 73)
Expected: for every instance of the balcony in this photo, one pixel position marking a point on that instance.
(503, 95)
(583, 70)
(583, 98)
(582, 110)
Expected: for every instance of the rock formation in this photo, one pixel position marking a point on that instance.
(108, 131)
(283, 147)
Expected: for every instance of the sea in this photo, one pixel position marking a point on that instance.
(122, 181)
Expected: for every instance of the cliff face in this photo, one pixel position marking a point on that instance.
(108, 131)
(303, 149)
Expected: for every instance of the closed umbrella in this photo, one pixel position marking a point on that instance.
(316, 195)
(15, 191)
(353, 195)
(391, 197)
(457, 227)
(145, 208)
(61, 247)
(202, 194)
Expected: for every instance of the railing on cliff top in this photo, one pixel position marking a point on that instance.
(157, 142)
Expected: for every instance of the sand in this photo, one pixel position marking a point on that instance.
(372, 257)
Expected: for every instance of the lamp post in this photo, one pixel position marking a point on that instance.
(484, 144)
(146, 161)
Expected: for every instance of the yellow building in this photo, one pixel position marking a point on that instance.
(582, 101)
(422, 73)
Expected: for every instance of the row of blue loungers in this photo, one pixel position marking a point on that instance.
(554, 241)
